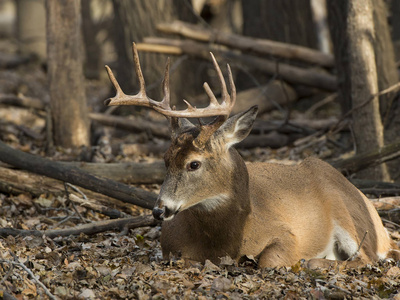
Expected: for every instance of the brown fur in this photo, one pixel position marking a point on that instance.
(275, 212)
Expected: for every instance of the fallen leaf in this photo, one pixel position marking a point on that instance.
(87, 294)
(393, 272)
(209, 267)
(221, 284)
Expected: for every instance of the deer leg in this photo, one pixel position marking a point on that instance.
(279, 253)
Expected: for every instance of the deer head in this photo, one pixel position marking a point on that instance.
(199, 160)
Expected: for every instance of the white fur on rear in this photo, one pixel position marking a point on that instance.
(341, 240)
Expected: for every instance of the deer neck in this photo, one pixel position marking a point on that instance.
(225, 222)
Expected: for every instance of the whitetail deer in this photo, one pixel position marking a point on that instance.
(214, 205)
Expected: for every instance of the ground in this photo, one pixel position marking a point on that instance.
(128, 264)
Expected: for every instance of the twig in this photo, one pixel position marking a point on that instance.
(112, 213)
(9, 272)
(90, 228)
(390, 222)
(361, 105)
(326, 100)
(66, 185)
(359, 247)
(18, 263)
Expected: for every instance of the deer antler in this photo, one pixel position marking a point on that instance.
(163, 106)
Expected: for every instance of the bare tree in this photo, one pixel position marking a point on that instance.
(355, 41)
(66, 81)
(135, 20)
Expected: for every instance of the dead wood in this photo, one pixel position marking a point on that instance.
(139, 173)
(268, 97)
(248, 44)
(9, 61)
(292, 74)
(133, 123)
(18, 182)
(377, 188)
(392, 215)
(107, 211)
(372, 158)
(380, 192)
(275, 94)
(21, 101)
(73, 175)
(146, 149)
(386, 203)
(272, 139)
(89, 228)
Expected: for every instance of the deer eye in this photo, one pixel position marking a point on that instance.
(193, 166)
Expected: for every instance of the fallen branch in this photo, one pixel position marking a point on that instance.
(21, 101)
(268, 97)
(138, 173)
(73, 175)
(9, 61)
(133, 123)
(362, 161)
(392, 215)
(377, 188)
(17, 182)
(386, 203)
(88, 229)
(379, 192)
(287, 72)
(85, 202)
(27, 270)
(248, 44)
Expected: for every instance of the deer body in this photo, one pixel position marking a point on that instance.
(278, 213)
(214, 205)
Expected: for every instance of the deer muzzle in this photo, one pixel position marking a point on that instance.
(162, 212)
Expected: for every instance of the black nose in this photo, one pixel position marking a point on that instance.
(157, 213)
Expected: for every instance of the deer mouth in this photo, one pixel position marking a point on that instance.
(164, 213)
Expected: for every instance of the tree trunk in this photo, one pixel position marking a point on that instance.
(384, 56)
(288, 21)
(92, 47)
(387, 76)
(66, 81)
(354, 43)
(135, 20)
(30, 27)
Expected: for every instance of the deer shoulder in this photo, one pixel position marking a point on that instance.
(213, 204)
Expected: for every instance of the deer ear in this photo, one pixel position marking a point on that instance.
(236, 128)
(178, 125)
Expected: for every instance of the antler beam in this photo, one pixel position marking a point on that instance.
(163, 106)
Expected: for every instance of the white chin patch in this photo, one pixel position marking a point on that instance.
(214, 202)
(173, 206)
(169, 218)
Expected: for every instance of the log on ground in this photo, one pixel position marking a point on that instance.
(73, 175)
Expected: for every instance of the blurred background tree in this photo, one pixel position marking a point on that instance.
(103, 32)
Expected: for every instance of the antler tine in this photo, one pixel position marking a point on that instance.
(167, 98)
(210, 94)
(232, 85)
(224, 91)
(138, 71)
(115, 83)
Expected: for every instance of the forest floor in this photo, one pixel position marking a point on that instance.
(129, 265)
